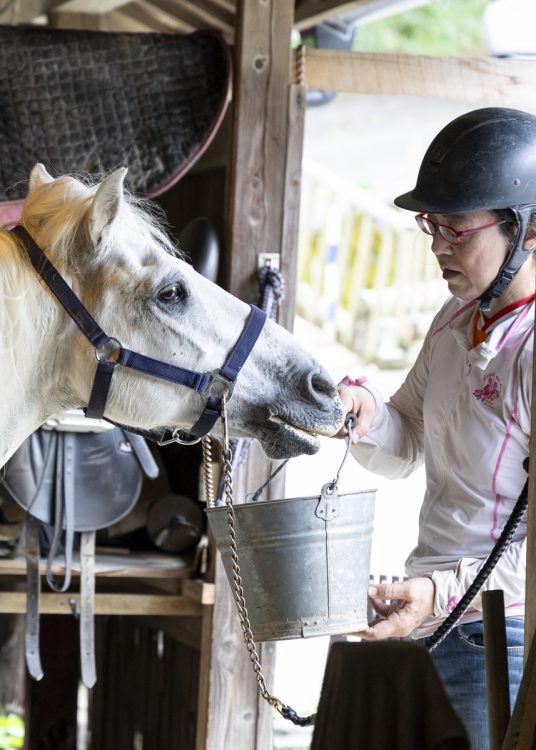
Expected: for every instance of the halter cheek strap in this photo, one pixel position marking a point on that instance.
(514, 260)
(111, 354)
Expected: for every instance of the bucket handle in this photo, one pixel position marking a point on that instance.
(328, 506)
(349, 422)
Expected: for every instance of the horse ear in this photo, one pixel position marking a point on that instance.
(39, 176)
(106, 203)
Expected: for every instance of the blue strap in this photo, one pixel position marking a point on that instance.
(208, 418)
(60, 289)
(200, 382)
(99, 391)
(245, 344)
(195, 380)
(230, 370)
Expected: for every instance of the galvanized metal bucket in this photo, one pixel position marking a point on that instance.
(304, 562)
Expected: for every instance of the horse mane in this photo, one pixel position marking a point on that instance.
(56, 212)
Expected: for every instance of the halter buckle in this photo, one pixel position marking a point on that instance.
(220, 386)
(176, 438)
(109, 351)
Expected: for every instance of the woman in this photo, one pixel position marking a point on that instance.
(464, 407)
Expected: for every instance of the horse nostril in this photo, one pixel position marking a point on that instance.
(322, 385)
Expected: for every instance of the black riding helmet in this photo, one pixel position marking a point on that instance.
(484, 160)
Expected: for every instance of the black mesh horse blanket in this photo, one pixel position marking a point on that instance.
(88, 102)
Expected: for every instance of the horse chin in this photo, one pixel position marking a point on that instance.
(285, 440)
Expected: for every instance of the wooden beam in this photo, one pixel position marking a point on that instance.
(195, 14)
(60, 19)
(313, 12)
(479, 80)
(91, 6)
(22, 12)
(220, 8)
(229, 5)
(154, 19)
(105, 604)
(199, 591)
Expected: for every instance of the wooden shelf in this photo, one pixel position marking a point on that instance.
(14, 602)
(153, 573)
(111, 565)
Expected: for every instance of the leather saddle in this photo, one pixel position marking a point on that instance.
(72, 475)
(90, 101)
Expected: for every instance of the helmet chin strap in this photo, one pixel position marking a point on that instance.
(514, 260)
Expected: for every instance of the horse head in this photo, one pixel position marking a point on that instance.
(115, 255)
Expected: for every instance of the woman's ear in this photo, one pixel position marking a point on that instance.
(530, 238)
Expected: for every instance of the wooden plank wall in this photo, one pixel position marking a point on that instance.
(262, 216)
(146, 692)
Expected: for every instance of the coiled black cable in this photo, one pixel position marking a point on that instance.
(502, 543)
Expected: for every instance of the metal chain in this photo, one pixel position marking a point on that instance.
(208, 474)
(238, 591)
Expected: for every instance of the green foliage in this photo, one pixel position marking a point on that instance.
(444, 27)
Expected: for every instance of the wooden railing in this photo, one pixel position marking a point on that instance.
(365, 272)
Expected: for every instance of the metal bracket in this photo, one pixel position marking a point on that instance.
(272, 260)
(328, 505)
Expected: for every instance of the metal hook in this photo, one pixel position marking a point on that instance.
(350, 422)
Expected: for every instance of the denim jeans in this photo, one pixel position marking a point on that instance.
(460, 662)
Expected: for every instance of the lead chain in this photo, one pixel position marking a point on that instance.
(208, 475)
(238, 590)
(285, 711)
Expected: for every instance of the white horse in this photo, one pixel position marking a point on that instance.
(120, 263)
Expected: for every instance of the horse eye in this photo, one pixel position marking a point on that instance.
(172, 293)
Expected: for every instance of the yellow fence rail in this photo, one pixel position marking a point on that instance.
(365, 271)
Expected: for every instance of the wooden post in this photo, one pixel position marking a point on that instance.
(261, 216)
(264, 173)
(498, 686)
(530, 596)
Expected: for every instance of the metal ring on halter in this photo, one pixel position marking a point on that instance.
(109, 351)
(181, 440)
(220, 386)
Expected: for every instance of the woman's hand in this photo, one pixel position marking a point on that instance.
(412, 601)
(357, 400)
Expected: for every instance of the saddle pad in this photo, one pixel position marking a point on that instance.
(107, 476)
(88, 102)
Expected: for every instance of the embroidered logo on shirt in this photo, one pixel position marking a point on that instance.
(490, 391)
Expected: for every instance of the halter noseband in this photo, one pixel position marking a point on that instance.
(110, 353)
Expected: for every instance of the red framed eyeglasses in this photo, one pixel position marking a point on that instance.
(451, 235)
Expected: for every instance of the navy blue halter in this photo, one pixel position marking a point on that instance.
(110, 353)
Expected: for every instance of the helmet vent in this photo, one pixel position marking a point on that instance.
(438, 154)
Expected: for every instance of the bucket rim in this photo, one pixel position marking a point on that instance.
(279, 501)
